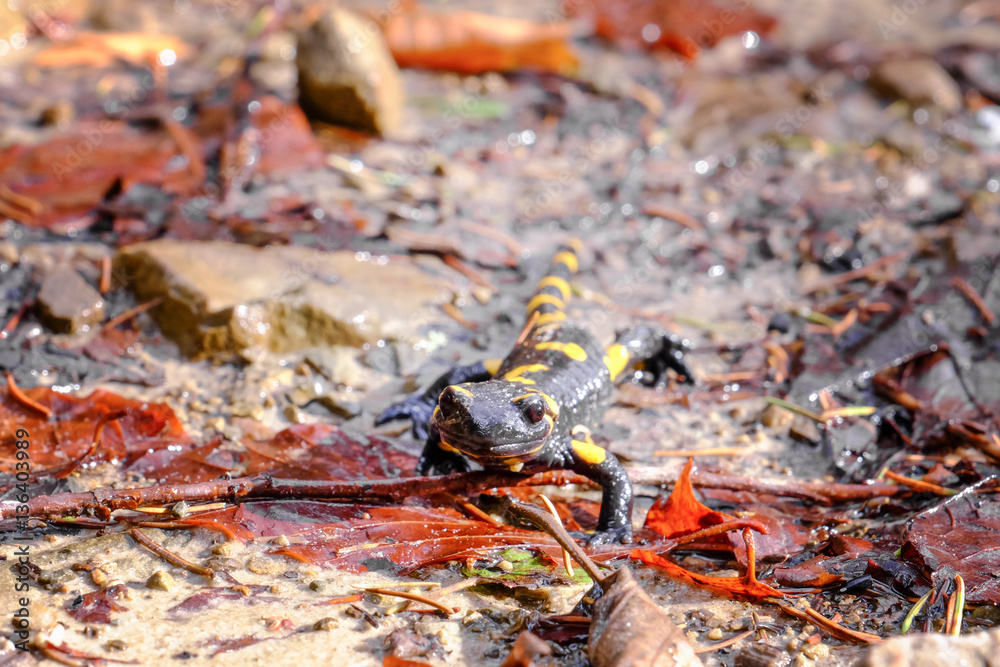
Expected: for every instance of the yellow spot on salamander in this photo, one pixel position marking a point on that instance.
(558, 283)
(448, 448)
(515, 374)
(568, 258)
(571, 350)
(492, 365)
(588, 452)
(575, 244)
(616, 359)
(516, 466)
(540, 299)
(546, 327)
(460, 389)
(551, 402)
(548, 318)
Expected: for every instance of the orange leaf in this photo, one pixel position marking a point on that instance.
(101, 49)
(681, 512)
(682, 26)
(732, 586)
(472, 43)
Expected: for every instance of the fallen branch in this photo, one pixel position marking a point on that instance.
(103, 501)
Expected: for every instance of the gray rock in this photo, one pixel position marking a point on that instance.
(936, 650)
(67, 303)
(347, 75)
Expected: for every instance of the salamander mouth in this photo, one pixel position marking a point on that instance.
(482, 449)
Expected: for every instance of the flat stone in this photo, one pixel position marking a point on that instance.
(919, 81)
(67, 303)
(222, 299)
(978, 649)
(347, 75)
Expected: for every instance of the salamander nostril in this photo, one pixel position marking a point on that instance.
(451, 398)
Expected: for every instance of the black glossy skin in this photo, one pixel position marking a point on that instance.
(535, 413)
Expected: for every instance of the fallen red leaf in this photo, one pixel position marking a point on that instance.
(959, 536)
(681, 513)
(59, 184)
(473, 43)
(322, 451)
(96, 607)
(359, 538)
(733, 586)
(682, 26)
(59, 441)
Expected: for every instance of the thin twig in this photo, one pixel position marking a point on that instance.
(919, 485)
(708, 451)
(724, 644)
(829, 625)
(863, 272)
(357, 597)
(521, 337)
(969, 292)
(467, 271)
(454, 313)
(23, 398)
(132, 312)
(547, 522)
(567, 561)
(168, 556)
(416, 597)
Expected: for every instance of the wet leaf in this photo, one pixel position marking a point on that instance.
(959, 536)
(528, 569)
(685, 26)
(69, 434)
(681, 513)
(322, 451)
(96, 607)
(211, 598)
(68, 177)
(737, 587)
(630, 630)
(360, 538)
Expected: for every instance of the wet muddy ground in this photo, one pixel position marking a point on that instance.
(816, 209)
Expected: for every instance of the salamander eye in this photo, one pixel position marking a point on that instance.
(533, 408)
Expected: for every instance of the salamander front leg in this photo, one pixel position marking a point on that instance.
(655, 348)
(615, 521)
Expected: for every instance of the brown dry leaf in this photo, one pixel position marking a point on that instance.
(472, 43)
(102, 49)
(630, 630)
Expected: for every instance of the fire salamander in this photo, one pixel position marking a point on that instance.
(534, 410)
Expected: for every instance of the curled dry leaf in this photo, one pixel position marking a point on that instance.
(630, 630)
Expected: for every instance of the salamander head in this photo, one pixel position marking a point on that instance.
(495, 421)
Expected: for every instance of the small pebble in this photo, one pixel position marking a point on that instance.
(161, 580)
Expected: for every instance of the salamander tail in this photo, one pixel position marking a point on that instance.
(553, 291)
